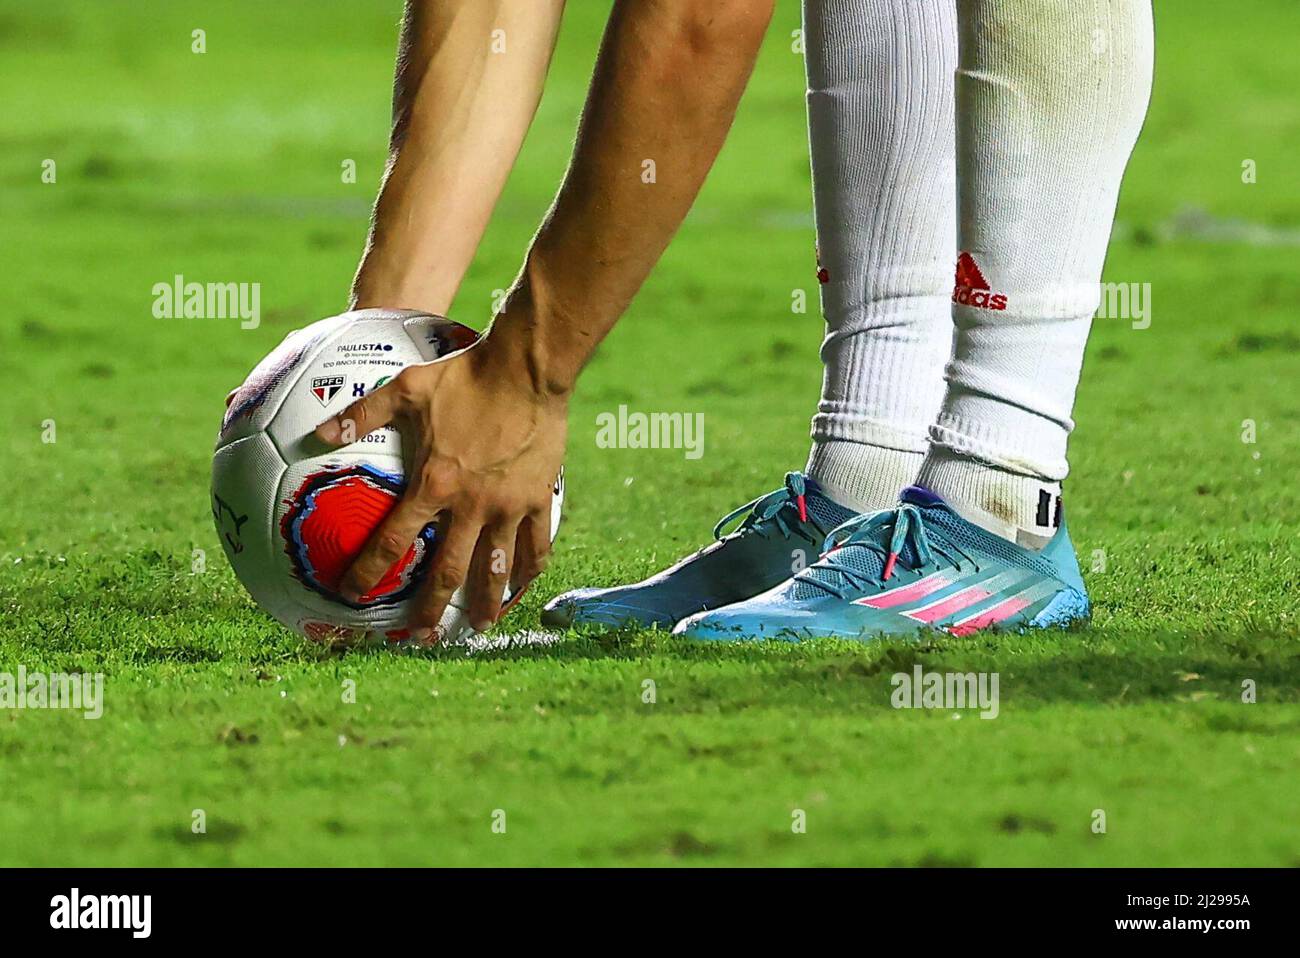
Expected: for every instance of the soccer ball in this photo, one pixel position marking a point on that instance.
(292, 513)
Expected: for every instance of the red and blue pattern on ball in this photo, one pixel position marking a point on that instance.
(330, 517)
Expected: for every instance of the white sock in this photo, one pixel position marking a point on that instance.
(1024, 509)
(861, 476)
(880, 124)
(1051, 95)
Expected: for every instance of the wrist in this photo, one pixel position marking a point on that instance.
(530, 341)
(377, 287)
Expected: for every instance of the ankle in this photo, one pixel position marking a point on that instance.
(859, 476)
(1020, 508)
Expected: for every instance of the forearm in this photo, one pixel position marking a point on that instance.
(667, 83)
(462, 102)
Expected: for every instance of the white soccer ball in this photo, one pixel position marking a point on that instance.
(292, 513)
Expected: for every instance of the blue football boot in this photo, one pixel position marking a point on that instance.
(764, 550)
(917, 568)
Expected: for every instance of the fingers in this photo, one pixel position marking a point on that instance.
(446, 574)
(490, 573)
(386, 545)
(532, 550)
(365, 415)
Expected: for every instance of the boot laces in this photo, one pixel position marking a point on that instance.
(775, 511)
(907, 538)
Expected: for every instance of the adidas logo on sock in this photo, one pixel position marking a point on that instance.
(973, 289)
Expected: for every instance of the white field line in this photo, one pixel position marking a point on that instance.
(475, 642)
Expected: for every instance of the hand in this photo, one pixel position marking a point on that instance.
(488, 442)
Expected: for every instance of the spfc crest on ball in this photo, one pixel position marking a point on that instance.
(326, 388)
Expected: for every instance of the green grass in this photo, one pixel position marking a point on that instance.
(225, 166)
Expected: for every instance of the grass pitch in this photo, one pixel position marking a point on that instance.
(226, 166)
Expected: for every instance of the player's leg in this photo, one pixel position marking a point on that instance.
(880, 124)
(1050, 98)
(881, 134)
